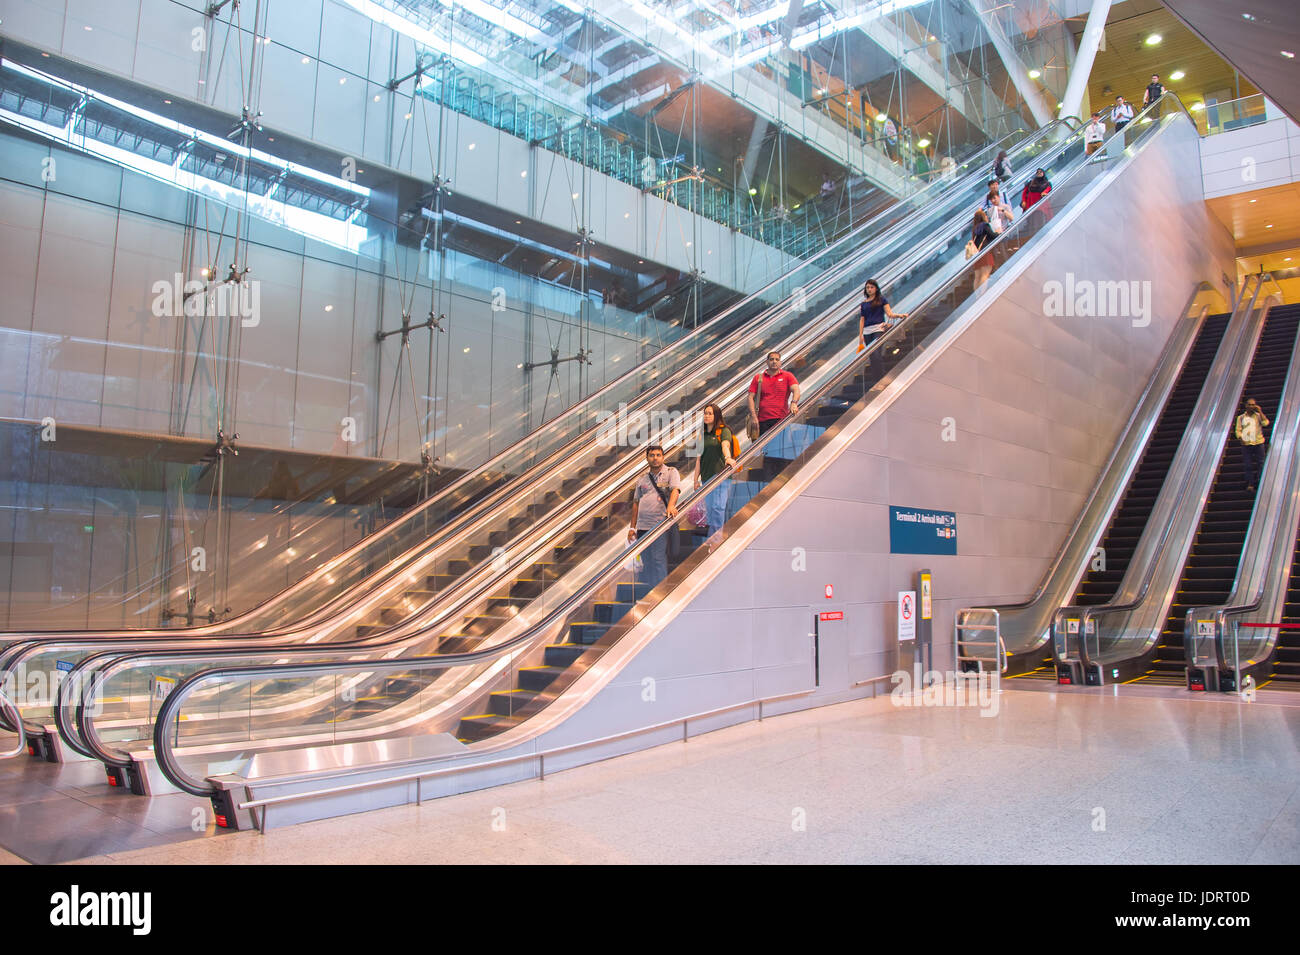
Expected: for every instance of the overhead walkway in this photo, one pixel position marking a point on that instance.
(446, 693)
(446, 548)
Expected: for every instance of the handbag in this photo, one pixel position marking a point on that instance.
(751, 427)
(698, 514)
(674, 540)
(972, 250)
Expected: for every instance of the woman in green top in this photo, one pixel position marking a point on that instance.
(715, 457)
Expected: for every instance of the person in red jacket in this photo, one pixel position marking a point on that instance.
(1036, 189)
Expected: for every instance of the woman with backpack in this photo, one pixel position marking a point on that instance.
(718, 450)
(981, 236)
(1002, 167)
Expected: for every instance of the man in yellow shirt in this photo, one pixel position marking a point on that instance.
(1250, 432)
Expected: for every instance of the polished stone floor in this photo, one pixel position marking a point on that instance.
(1071, 777)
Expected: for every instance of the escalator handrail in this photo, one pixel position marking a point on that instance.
(169, 709)
(1090, 613)
(774, 313)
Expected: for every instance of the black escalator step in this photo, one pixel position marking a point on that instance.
(587, 631)
(440, 582)
(459, 643)
(630, 593)
(367, 629)
(610, 611)
(475, 728)
(510, 702)
(482, 624)
(563, 654)
(458, 565)
(538, 678)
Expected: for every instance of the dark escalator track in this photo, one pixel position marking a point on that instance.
(1107, 569)
(1211, 565)
(1285, 674)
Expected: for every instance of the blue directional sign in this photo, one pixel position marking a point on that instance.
(916, 530)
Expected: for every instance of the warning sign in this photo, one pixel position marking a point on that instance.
(1071, 625)
(1205, 628)
(926, 610)
(906, 615)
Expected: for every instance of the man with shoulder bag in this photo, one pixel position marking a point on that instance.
(653, 499)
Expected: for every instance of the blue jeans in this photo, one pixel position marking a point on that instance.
(715, 507)
(654, 561)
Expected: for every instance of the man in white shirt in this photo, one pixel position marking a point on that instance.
(1121, 114)
(1250, 432)
(1093, 134)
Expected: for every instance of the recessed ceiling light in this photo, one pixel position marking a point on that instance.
(627, 215)
(408, 116)
(44, 54)
(1154, 39)
(1288, 54)
(1196, 107)
(922, 143)
(1253, 201)
(1269, 226)
(88, 29)
(306, 60)
(471, 145)
(1177, 75)
(466, 351)
(881, 117)
(524, 174)
(329, 308)
(1287, 259)
(376, 97)
(575, 195)
(1248, 16)
(342, 80)
(1035, 74)
(167, 101)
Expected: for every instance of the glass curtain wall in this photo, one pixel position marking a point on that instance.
(330, 255)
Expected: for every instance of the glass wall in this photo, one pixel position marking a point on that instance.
(401, 233)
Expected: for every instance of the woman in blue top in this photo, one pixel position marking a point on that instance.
(874, 317)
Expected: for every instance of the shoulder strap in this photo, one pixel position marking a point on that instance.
(658, 490)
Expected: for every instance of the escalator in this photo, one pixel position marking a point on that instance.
(1211, 567)
(416, 546)
(524, 516)
(1107, 570)
(513, 680)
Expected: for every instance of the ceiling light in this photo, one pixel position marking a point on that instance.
(922, 143)
(1154, 39)
(881, 117)
(306, 60)
(466, 350)
(329, 308)
(753, 191)
(1269, 226)
(627, 215)
(524, 174)
(1253, 201)
(1196, 107)
(471, 145)
(1035, 74)
(88, 29)
(342, 80)
(1288, 54)
(1287, 259)
(1248, 16)
(408, 116)
(167, 101)
(1177, 75)
(575, 195)
(376, 97)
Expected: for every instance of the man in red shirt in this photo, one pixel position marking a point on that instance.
(779, 389)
